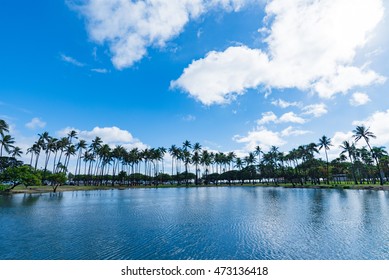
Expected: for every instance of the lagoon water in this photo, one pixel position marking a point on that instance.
(196, 223)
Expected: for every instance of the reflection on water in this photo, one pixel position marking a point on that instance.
(196, 223)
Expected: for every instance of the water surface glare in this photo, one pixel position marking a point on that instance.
(196, 223)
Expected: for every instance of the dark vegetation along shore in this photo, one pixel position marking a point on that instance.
(99, 166)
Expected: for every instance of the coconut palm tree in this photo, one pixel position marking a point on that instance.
(30, 151)
(16, 152)
(62, 143)
(325, 142)
(49, 147)
(258, 152)
(351, 151)
(80, 146)
(173, 152)
(36, 148)
(6, 143)
(4, 127)
(186, 157)
(363, 132)
(69, 151)
(206, 161)
(231, 156)
(378, 153)
(196, 158)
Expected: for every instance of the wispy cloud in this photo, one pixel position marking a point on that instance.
(71, 60)
(285, 104)
(100, 70)
(189, 118)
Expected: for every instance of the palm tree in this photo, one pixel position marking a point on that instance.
(196, 158)
(6, 142)
(61, 146)
(49, 147)
(363, 132)
(231, 156)
(258, 152)
(186, 157)
(117, 156)
(70, 151)
(351, 150)
(4, 127)
(36, 148)
(16, 152)
(206, 161)
(378, 153)
(80, 146)
(325, 142)
(173, 153)
(72, 134)
(30, 151)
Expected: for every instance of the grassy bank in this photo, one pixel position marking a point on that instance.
(47, 189)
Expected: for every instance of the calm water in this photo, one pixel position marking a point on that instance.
(196, 223)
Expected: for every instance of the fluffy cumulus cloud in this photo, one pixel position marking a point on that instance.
(130, 27)
(359, 98)
(378, 124)
(110, 135)
(267, 117)
(220, 76)
(260, 136)
(291, 117)
(35, 123)
(312, 46)
(315, 110)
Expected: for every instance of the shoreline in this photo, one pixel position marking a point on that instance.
(48, 189)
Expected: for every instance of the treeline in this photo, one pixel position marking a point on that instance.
(97, 163)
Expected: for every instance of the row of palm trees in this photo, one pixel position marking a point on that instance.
(98, 163)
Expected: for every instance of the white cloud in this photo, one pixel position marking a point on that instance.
(260, 136)
(72, 60)
(311, 46)
(316, 110)
(291, 117)
(290, 131)
(220, 76)
(100, 70)
(189, 118)
(359, 98)
(285, 104)
(35, 123)
(110, 135)
(131, 27)
(268, 117)
(378, 124)
(346, 78)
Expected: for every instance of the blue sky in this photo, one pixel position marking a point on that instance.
(229, 74)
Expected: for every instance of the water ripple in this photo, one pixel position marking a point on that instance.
(196, 223)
